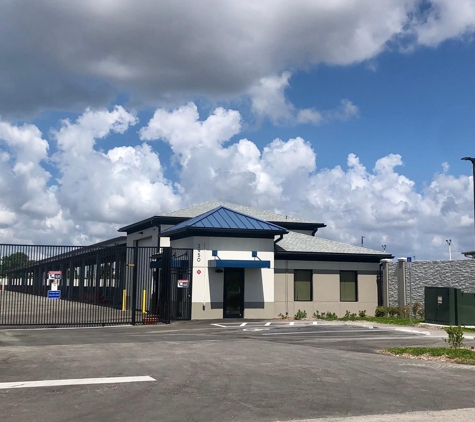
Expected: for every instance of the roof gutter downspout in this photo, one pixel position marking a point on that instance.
(278, 239)
(314, 231)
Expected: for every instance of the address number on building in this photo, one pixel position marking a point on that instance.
(183, 284)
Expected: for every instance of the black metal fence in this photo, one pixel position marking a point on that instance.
(80, 286)
(174, 283)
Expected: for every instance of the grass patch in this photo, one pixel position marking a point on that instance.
(463, 356)
(468, 330)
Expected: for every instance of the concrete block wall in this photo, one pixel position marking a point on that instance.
(459, 274)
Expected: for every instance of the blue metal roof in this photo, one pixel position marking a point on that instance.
(223, 218)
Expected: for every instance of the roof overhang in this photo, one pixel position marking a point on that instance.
(188, 232)
(329, 256)
(469, 254)
(152, 222)
(238, 263)
(292, 225)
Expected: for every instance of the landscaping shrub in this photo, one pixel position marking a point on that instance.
(381, 312)
(455, 338)
(349, 316)
(362, 314)
(393, 311)
(300, 315)
(283, 316)
(325, 315)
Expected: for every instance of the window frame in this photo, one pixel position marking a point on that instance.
(311, 285)
(356, 286)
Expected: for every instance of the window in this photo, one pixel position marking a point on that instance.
(348, 286)
(303, 285)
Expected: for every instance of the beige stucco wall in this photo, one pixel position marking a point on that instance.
(208, 285)
(326, 287)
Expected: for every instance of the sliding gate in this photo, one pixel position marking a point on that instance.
(53, 286)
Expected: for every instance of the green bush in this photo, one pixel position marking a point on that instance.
(455, 338)
(325, 315)
(300, 315)
(283, 316)
(393, 311)
(349, 316)
(362, 314)
(381, 312)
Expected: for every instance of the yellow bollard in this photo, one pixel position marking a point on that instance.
(124, 300)
(143, 301)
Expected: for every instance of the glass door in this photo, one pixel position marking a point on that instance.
(233, 303)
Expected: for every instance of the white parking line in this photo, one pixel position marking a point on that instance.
(80, 381)
(243, 324)
(291, 323)
(267, 324)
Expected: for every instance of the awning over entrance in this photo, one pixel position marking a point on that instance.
(238, 263)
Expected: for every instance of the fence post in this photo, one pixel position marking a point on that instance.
(134, 285)
(166, 285)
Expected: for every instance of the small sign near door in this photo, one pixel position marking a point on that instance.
(183, 284)
(439, 300)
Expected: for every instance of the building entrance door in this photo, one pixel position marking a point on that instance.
(233, 303)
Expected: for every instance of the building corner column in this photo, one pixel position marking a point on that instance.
(385, 284)
(401, 282)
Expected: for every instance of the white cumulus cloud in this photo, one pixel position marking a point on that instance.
(95, 191)
(268, 101)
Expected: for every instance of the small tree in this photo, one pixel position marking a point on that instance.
(455, 338)
(15, 261)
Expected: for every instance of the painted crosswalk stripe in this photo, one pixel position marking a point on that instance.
(79, 381)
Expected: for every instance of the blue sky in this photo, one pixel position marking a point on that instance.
(347, 88)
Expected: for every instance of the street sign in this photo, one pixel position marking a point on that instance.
(54, 294)
(183, 284)
(439, 300)
(409, 259)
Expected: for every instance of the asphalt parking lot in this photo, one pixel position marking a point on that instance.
(194, 371)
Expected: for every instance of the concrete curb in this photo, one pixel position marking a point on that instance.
(407, 330)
